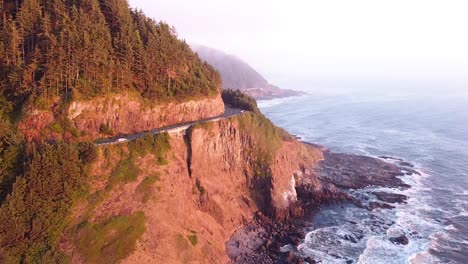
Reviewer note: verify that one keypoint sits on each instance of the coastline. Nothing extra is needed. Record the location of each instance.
(266, 240)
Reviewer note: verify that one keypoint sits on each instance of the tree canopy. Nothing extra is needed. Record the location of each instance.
(85, 48)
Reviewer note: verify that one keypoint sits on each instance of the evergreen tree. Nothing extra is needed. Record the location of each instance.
(58, 48)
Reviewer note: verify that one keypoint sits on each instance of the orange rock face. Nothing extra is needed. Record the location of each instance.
(207, 191)
(126, 115)
(121, 114)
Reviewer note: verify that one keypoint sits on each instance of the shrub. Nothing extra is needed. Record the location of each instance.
(56, 127)
(105, 129)
(193, 239)
(87, 151)
(112, 240)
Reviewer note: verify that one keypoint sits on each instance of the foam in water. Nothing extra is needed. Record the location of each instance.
(371, 235)
(428, 131)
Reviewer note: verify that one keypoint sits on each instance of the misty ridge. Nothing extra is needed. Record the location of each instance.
(238, 75)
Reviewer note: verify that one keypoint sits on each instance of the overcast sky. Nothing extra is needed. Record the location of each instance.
(327, 39)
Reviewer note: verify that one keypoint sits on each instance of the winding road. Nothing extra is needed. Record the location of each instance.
(173, 129)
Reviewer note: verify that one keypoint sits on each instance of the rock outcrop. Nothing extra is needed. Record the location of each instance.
(112, 115)
(123, 114)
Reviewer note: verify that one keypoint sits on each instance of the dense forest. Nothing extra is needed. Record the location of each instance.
(55, 51)
(85, 48)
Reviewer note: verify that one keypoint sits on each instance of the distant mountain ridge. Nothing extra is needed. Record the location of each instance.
(238, 75)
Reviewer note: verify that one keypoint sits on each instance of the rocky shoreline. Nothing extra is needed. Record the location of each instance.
(261, 240)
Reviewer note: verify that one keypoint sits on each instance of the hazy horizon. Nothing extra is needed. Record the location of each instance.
(304, 41)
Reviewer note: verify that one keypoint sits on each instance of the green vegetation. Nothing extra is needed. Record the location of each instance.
(87, 151)
(238, 99)
(63, 126)
(35, 213)
(268, 138)
(71, 49)
(126, 171)
(56, 128)
(105, 129)
(193, 239)
(112, 240)
(157, 145)
(146, 187)
(11, 155)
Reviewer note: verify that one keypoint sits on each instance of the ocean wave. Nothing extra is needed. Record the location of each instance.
(278, 101)
(437, 205)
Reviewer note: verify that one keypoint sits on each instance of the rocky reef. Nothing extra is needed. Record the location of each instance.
(262, 239)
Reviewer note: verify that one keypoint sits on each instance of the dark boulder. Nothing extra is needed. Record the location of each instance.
(400, 240)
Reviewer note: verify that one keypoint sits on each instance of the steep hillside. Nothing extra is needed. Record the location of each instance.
(193, 195)
(237, 74)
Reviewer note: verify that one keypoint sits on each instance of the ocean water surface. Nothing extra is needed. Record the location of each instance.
(429, 131)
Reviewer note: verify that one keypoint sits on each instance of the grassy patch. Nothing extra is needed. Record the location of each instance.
(146, 188)
(193, 239)
(267, 137)
(162, 161)
(158, 145)
(126, 171)
(112, 240)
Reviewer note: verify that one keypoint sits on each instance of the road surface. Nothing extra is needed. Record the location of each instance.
(228, 112)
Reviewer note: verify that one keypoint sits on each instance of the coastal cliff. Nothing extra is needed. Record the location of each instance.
(209, 184)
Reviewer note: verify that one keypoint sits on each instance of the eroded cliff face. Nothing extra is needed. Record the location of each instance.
(124, 113)
(207, 190)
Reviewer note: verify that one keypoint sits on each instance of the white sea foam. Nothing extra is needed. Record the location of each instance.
(278, 101)
(450, 228)
(423, 257)
(348, 125)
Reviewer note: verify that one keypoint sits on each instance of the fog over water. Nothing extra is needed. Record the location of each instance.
(302, 40)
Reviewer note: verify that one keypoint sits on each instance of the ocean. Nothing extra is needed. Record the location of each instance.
(427, 130)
